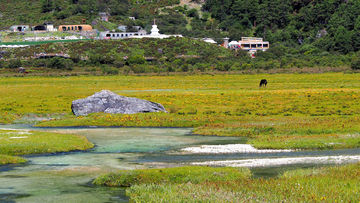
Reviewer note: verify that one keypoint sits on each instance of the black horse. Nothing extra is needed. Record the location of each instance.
(263, 82)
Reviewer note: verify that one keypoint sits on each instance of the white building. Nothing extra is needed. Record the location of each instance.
(140, 34)
(155, 34)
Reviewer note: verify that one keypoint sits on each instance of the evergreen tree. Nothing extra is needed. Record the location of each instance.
(342, 40)
(355, 35)
(47, 5)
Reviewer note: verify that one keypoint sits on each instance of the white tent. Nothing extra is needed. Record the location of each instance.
(234, 43)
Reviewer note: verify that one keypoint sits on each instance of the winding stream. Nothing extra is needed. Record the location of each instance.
(67, 177)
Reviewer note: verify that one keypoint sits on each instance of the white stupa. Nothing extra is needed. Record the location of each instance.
(155, 33)
(154, 30)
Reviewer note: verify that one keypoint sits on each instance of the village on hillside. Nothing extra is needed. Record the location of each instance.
(85, 31)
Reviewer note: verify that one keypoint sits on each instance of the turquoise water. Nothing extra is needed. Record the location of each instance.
(67, 177)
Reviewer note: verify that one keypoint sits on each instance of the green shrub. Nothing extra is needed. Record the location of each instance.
(40, 63)
(119, 63)
(355, 63)
(61, 63)
(109, 70)
(185, 67)
(137, 59)
(325, 53)
(138, 69)
(14, 63)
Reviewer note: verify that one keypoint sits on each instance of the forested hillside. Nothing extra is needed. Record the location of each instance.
(332, 25)
(319, 25)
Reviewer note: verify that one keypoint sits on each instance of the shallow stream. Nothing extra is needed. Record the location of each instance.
(67, 177)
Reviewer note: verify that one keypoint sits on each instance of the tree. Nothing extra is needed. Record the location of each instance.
(193, 13)
(342, 40)
(47, 5)
(355, 35)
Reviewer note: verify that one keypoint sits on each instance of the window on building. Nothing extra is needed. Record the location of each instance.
(266, 45)
(246, 45)
(253, 46)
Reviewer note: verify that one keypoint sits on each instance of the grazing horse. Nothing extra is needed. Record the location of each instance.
(263, 82)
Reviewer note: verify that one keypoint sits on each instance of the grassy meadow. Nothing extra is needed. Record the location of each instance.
(294, 111)
(298, 111)
(199, 184)
(15, 142)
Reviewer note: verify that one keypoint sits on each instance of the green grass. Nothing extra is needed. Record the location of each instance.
(5, 159)
(14, 143)
(297, 111)
(187, 174)
(328, 184)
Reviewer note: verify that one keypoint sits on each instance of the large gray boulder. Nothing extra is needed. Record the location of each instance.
(109, 102)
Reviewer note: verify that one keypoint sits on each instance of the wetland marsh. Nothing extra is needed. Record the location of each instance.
(315, 114)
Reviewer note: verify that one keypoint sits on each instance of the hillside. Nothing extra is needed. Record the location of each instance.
(325, 25)
(147, 47)
(330, 25)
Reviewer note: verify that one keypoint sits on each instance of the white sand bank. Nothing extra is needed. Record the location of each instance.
(282, 161)
(230, 148)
